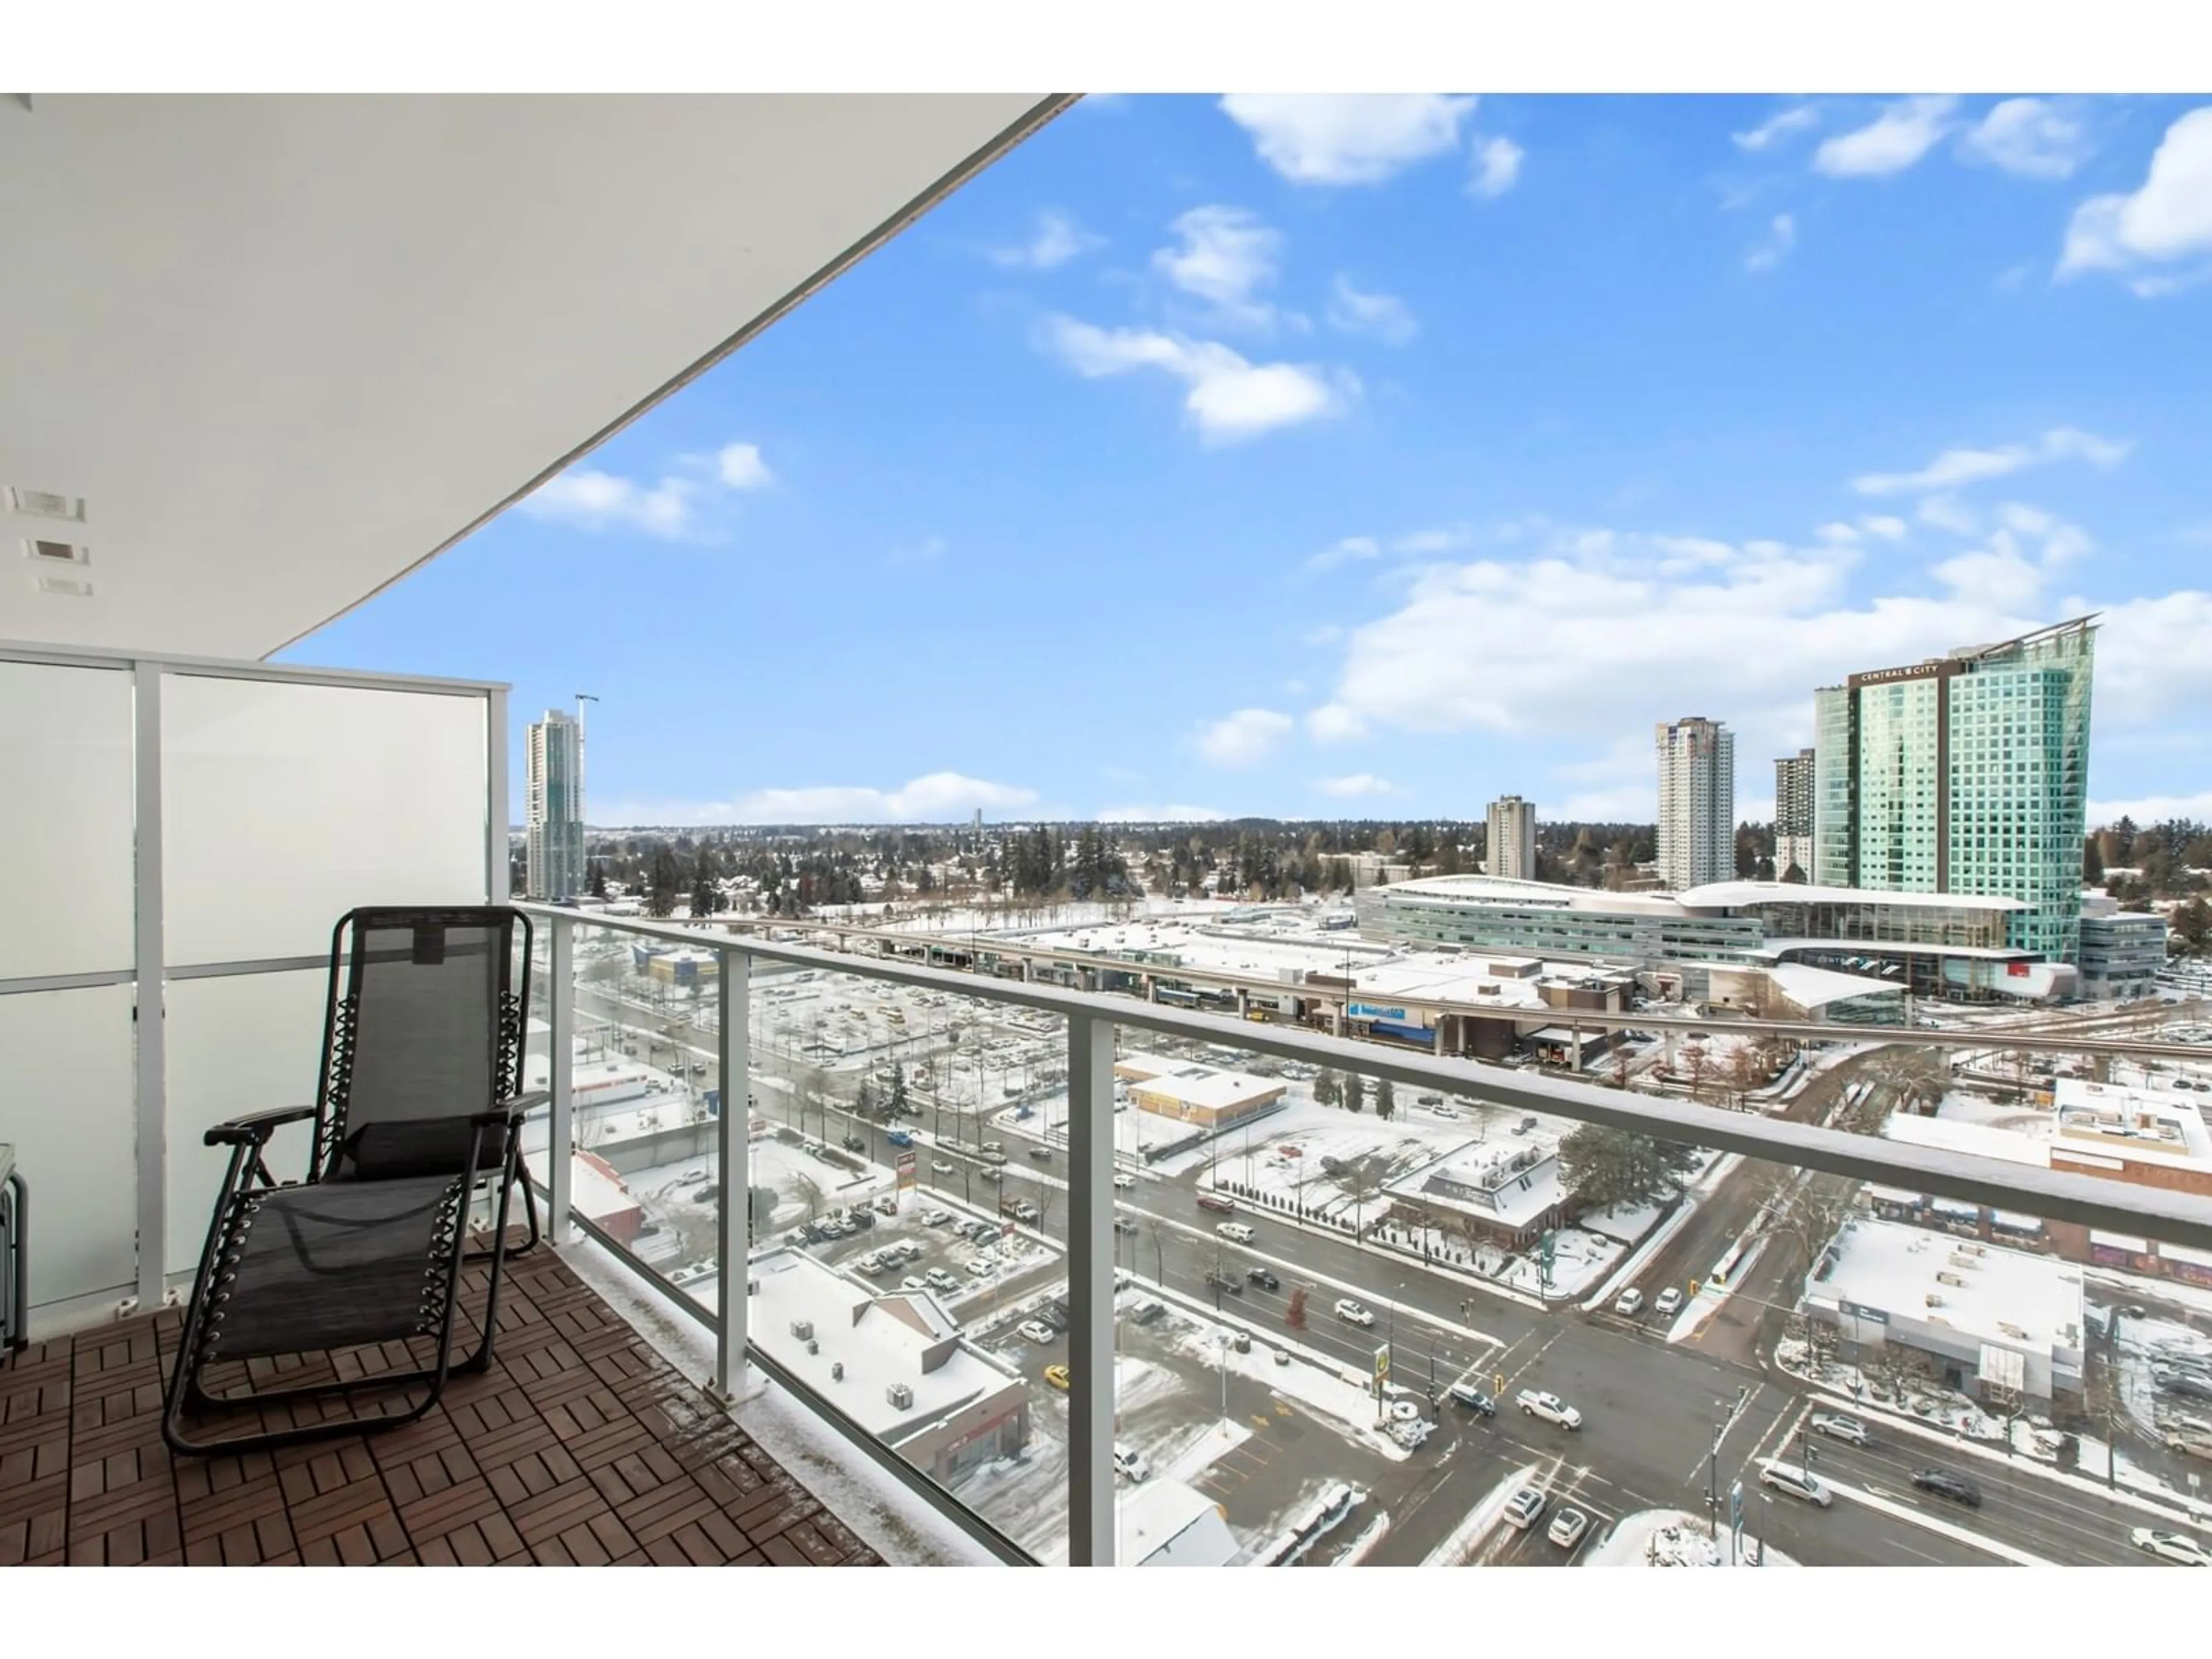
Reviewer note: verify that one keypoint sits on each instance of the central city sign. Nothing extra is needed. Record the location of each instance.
(1369, 1011)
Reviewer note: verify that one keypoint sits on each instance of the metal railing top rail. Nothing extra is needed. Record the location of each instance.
(2087, 1200)
(93, 656)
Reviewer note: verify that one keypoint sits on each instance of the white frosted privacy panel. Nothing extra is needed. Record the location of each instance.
(286, 805)
(66, 1065)
(248, 1042)
(65, 820)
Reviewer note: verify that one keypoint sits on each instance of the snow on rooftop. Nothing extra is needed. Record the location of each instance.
(1733, 895)
(852, 1327)
(1816, 988)
(1165, 1523)
(2008, 1297)
(1518, 1180)
(1981, 1139)
(2132, 1122)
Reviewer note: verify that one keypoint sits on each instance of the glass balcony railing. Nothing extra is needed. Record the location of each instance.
(1113, 1280)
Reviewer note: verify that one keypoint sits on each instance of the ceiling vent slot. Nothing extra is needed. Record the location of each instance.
(45, 504)
(40, 549)
(73, 586)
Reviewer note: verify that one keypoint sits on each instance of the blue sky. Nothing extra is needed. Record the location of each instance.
(1374, 456)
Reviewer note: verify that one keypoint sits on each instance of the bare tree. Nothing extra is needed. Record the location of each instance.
(2104, 1401)
(810, 1190)
(1915, 1077)
(1804, 1209)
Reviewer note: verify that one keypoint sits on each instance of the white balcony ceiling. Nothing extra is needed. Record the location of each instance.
(287, 348)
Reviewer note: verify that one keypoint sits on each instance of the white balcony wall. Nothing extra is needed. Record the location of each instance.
(217, 819)
(285, 804)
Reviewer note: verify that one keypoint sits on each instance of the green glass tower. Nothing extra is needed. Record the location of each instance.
(1965, 774)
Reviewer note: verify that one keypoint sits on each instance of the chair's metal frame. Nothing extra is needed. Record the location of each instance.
(248, 1175)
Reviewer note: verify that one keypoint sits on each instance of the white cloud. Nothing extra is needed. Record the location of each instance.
(1774, 248)
(1359, 783)
(1058, 239)
(1244, 738)
(1344, 551)
(1543, 618)
(1161, 815)
(1496, 167)
(1795, 120)
(1955, 468)
(1894, 141)
(1883, 524)
(1327, 633)
(1228, 397)
(739, 467)
(592, 499)
(1335, 722)
(2028, 136)
(585, 498)
(2149, 809)
(1328, 139)
(1839, 535)
(1627, 802)
(1226, 253)
(1385, 316)
(1947, 513)
(939, 798)
(2168, 218)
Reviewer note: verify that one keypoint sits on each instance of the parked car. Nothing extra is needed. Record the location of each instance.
(1034, 1330)
(1125, 1181)
(1670, 1301)
(1129, 1462)
(1265, 1279)
(1352, 1314)
(1057, 1376)
(1568, 1527)
(1793, 1479)
(937, 1279)
(1146, 1312)
(1474, 1399)
(1524, 1506)
(1944, 1484)
(935, 1217)
(983, 1266)
(1549, 1407)
(2178, 1548)
(1055, 1314)
(911, 1282)
(1630, 1302)
(1837, 1426)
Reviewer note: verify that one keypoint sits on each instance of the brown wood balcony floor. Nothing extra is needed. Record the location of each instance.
(580, 1446)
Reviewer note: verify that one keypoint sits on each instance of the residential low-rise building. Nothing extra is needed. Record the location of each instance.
(896, 1363)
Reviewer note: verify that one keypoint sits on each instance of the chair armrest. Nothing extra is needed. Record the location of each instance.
(255, 1128)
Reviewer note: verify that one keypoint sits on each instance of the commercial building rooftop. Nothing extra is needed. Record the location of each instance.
(2009, 1298)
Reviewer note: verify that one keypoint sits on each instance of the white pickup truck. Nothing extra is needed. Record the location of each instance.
(1550, 1407)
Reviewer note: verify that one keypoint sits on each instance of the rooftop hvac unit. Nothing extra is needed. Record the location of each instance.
(1960, 1259)
(837, 1371)
(900, 1396)
(813, 1347)
(1950, 1279)
(1933, 1300)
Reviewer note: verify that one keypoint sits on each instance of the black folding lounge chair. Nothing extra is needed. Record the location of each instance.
(416, 1111)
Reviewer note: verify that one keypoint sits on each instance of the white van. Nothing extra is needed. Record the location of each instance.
(1235, 1231)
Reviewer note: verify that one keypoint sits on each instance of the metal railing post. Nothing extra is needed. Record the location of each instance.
(733, 1211)
(559, 1068)
(150, 957)
(1090, 1291)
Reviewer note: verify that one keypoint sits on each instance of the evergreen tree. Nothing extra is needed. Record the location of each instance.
(1355, 1092)
(663, 883)
(596, 885)
(1385, 1098)
(705, 899)
(897, 1106)
(1328, 1088)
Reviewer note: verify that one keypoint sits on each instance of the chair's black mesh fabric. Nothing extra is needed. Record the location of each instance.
(426, 1029)
(393, 1152)
(331, 1265)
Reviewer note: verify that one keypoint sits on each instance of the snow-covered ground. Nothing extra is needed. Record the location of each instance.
(1330, 1391)
(1675, 1538)
(1709, 1299)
